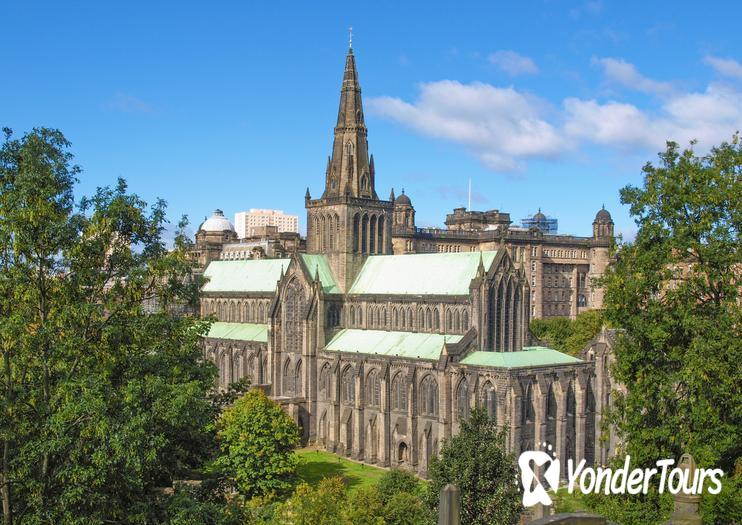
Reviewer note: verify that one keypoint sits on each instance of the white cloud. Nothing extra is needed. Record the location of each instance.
(625, 74)
(504, 127)
(726, 66)
(512, 63)
(500, 126)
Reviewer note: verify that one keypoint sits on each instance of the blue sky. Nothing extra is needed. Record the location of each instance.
(545, 104)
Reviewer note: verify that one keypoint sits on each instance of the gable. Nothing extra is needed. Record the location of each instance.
(254, 275)
(420, 274)
(317, 264)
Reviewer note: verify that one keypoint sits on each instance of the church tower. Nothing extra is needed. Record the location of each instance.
(349, 222)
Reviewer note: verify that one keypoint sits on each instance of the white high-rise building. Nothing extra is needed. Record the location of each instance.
(246, 222)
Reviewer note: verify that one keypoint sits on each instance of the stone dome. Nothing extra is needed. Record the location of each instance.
(403, 199)
(603, 216)
(216, 223)
(540, 217)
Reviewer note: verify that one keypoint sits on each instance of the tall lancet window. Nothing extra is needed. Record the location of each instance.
(293, 318)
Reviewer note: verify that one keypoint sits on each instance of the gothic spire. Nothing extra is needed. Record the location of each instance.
(349, 170)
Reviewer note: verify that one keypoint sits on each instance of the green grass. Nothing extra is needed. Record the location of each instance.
(317, 464)
(566, 502)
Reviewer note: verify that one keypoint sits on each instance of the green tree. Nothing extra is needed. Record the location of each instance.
(364, 507)
(257, 441)
(676, 290)
(567, 335)
(475, 460)
(314, 505)
(102, 400)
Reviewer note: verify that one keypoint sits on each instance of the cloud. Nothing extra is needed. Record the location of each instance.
(512, 63)
(130, 104)
(504, 127)
(625, 74)
(499, 125)
(726, 66)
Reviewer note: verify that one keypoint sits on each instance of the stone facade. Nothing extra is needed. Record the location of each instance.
(380, 357)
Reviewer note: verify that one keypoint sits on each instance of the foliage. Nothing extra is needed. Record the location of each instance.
(314, 505)
(364, 507)
(475, 461)
(192, 506)
(567, 335)
(103, 400)
(725, 507)
(675, 290)
(257, 441)
(397, 481)
(405, 508)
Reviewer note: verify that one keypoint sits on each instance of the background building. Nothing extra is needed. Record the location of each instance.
(548, 225)
(246, 222)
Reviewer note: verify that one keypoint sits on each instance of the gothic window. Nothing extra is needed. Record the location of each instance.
(457, 321)
(429, 396)
(403, 316)
(293, 317)
(356, 233)
(399, 393)
(325, 382)
(395, 318)
(364, 182)
(349, 148)
(288, 379)
(421, 319)
(528, 409)
(364, 234)
(465, 320)
(449, 321)
(352, 315)
(372, 235)
(436, 319)
(380, 236)
(489, 400)
(410, 323)
(462, 401)
(373, 389)
(348, 386)
(232, 312)
(428, 319)
(261, 313)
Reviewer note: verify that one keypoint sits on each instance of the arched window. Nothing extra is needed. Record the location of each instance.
(462, 401)
(428, 403)
(399, 392)
(395, 318)
(373, 389)
(293, 318)
(325, 383)
(457, 321)
(436, 320)
(288, 379)
(372, 228)
(465, 320)
(348, 386)
(449, 321)
(298, 380)
(528, 409)
(489, 400)
(356, 233)
(428, 319)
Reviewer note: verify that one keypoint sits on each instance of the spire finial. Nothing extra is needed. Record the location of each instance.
(350, 37)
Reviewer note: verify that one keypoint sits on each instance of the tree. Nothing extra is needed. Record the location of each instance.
(257, 441)
(314, 505)
(102, 400)
(364, 507)
(475, 460)
(567, 335)
(675, 290)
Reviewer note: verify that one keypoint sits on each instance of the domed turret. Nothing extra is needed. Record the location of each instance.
(603, 216)
(403, 199)
(603, 224)
(539, 217)
(216, 223)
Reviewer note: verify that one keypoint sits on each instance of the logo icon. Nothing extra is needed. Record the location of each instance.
(533, 491)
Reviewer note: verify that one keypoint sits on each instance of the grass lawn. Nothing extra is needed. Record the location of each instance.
(317, 464)
(566, 502)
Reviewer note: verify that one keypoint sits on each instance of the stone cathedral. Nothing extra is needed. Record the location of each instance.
(380, 356)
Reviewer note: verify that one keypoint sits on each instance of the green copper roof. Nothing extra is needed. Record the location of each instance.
(402, 344)
(420, 274)
(318, 262)
(256, 275)
(239, 331)
(530, 356)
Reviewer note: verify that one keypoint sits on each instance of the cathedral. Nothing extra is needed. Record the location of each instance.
(380, 347)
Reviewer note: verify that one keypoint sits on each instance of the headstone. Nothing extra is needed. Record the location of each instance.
(449, 506)
(686, 505)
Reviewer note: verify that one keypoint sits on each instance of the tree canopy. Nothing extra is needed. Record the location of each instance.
(103, 399)
(675, 290)
(476, 461)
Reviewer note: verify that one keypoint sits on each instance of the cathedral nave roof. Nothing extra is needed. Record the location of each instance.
(254, 275)
(239, 331)
(400, 344)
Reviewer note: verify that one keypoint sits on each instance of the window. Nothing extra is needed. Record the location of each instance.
(373, 389)
(348, 386)
(429, 396)
(488, 400)
(462, 401)
(399, 393)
